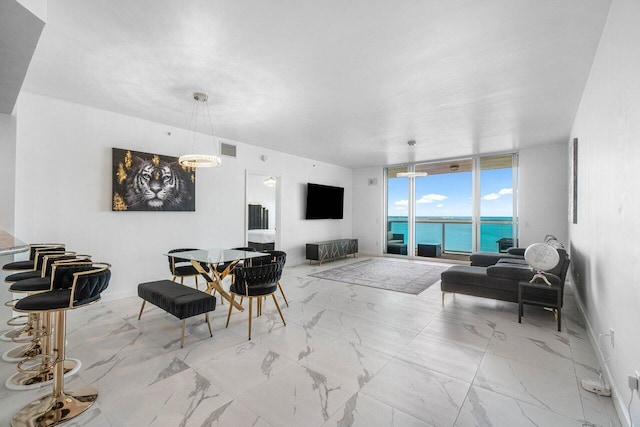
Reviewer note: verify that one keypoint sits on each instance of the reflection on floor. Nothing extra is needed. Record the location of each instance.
(349, 355)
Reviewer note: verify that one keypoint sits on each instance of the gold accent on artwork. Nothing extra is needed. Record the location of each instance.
(156, 160)
(128, 159)
(121, 174)
(118, 203)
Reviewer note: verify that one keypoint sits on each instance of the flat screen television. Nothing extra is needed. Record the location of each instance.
(324, 202)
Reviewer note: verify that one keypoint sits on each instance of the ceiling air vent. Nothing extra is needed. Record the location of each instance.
(227, 149)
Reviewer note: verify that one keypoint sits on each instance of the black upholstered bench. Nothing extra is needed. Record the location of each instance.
(179, 300)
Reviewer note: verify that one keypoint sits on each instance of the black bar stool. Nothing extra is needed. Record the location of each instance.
(80, 286)
(30, 263)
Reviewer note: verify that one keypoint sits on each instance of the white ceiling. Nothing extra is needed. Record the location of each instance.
(345, 82)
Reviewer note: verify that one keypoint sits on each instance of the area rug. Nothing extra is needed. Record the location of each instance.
(407, 277)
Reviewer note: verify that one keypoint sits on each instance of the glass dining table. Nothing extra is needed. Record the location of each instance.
(214, 258)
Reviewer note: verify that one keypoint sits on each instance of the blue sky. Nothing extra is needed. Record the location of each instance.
(450, 194)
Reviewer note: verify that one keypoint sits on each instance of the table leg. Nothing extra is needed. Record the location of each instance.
(214, 282)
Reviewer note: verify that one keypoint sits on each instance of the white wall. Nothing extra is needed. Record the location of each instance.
(543, 195)
(63, 192)
(7, 195)
(605, 244)
(368, 210)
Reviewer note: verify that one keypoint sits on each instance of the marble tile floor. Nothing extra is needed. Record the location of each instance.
(349, 355)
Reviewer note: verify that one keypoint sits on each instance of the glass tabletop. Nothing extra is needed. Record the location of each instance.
(216, 255)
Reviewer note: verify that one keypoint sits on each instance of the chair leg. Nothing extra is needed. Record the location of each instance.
(206, 316)
(141, 308)
(184, 325)
(182, 280)
(173, 278)
(282, 292)
(233, 297)
(250, 315)
(196, 282)
(278, 307)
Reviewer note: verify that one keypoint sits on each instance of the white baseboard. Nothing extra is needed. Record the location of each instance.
(618, 402)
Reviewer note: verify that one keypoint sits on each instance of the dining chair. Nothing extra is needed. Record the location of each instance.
(181, 267)
(256, 282)
(275, 256)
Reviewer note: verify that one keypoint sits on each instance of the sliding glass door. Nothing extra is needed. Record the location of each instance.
(455, 206)
(444, 207)
(397, 224)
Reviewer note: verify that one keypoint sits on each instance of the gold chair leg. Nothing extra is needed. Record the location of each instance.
(184, 325)
(196, 282)
(278, 307)
(233, 297)
(282, 292)
(206, 316)
(141, 308)
(250, 315)
(182, 280)
(173, 278)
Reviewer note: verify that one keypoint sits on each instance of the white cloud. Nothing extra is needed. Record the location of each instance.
(439, 205)
(496, 196)
(401, 203)
(430, 198)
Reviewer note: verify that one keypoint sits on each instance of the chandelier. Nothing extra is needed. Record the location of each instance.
(195, 160)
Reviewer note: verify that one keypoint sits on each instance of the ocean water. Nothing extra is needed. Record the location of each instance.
(457, 236)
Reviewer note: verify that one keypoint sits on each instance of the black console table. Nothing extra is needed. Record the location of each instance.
(331, 249)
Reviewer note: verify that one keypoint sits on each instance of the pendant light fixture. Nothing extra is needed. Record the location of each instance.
(195, 160)
(270, 182)
(411, 174)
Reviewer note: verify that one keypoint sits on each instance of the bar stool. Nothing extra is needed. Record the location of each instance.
(79, 286)
(35, 367)
(24, 331)
(29, 264)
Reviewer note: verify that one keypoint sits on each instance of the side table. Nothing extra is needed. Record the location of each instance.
(539, 294)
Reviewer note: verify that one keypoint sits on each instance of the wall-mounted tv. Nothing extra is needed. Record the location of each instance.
(324, 202)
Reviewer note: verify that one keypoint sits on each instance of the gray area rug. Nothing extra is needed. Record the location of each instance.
(408, 277)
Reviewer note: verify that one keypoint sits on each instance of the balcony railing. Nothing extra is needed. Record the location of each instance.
(455, 234)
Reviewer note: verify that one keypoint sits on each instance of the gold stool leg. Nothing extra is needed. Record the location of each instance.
(60, 406)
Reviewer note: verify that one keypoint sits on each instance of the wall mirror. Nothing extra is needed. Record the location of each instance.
(261, 210)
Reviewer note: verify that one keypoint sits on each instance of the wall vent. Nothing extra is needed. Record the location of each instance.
(227, 149)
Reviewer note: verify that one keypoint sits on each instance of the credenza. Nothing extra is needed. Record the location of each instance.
(331, 249)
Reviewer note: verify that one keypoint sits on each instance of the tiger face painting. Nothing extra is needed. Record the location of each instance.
(152, 184)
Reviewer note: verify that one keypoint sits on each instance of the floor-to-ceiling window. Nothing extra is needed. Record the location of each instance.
(461, 205)
(498, 218)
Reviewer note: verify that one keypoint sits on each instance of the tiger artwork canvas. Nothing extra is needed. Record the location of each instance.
(151, 182)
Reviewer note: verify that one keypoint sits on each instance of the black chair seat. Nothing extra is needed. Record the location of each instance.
(185, 270)
(254, 290)
(31, 285)
(57, 299)
(15, 277)
(19, 265)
